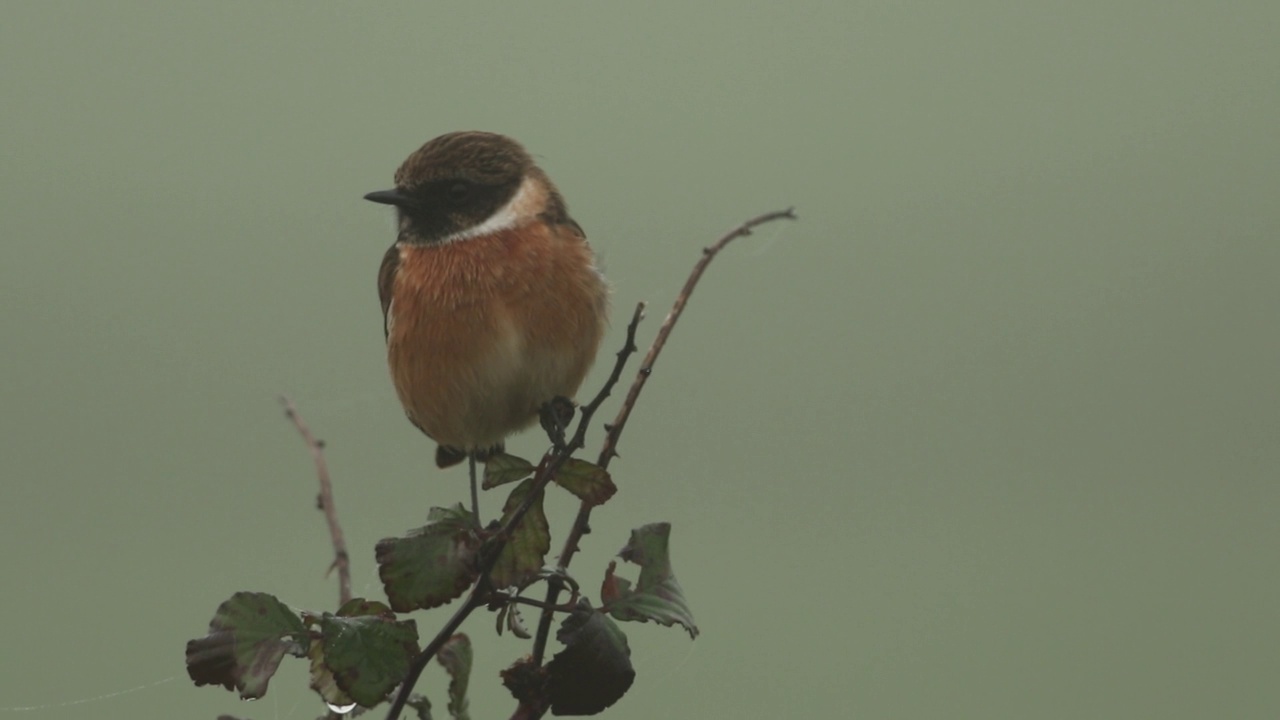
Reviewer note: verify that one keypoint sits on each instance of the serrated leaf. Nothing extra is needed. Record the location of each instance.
(657, 595)
(368, 655)
(248, 636)
(322, 680)
(503, 468)
(525, 550)
(588, 481)
(455, 656)
(433, 564)
(594, 669)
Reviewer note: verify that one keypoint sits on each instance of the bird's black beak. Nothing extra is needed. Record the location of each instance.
(388, 197)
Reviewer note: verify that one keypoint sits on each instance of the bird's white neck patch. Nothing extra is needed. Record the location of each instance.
(521, 208)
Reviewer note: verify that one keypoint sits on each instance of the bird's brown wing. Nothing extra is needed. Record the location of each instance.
(386, 278)
(577, 229)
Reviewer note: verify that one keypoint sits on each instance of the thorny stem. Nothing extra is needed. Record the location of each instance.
(420, 661)
(609, 450)
(614, 430)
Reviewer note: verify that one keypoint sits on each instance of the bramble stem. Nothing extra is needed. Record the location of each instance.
(614, 430)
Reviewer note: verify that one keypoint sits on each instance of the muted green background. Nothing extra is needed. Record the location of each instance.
(992, 432)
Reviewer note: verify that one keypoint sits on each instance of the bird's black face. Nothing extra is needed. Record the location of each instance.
(439, 209)
(453, 184)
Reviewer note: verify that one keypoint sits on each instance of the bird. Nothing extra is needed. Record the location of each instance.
(493, 302)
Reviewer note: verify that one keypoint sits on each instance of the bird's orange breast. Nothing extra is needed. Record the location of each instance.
(481, 332)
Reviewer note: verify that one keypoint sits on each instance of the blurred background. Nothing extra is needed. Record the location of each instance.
(991, 432)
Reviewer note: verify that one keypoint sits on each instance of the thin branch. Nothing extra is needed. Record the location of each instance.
(420, 661)
(341, 560)
(628, 348)
(609, 450)
(614, 430)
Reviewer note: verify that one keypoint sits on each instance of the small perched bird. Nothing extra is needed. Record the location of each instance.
(492, 302)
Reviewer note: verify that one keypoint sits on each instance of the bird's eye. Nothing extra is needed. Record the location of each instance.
(459, 191)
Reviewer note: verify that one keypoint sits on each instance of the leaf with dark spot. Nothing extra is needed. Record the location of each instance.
(589, 482)
(433, 564)
(248, 636)
(367, 650)
(322, 680)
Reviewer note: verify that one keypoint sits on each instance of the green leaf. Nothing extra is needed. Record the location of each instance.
(367, 650)
(433, 564)
(589, 482)
(248, 636)
(455, 656)
(502, 469)
(322, 680)
(594, 669)
(657, 596)
(522, 557)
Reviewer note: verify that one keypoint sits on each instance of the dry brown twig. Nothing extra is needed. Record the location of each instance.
(341, 560)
